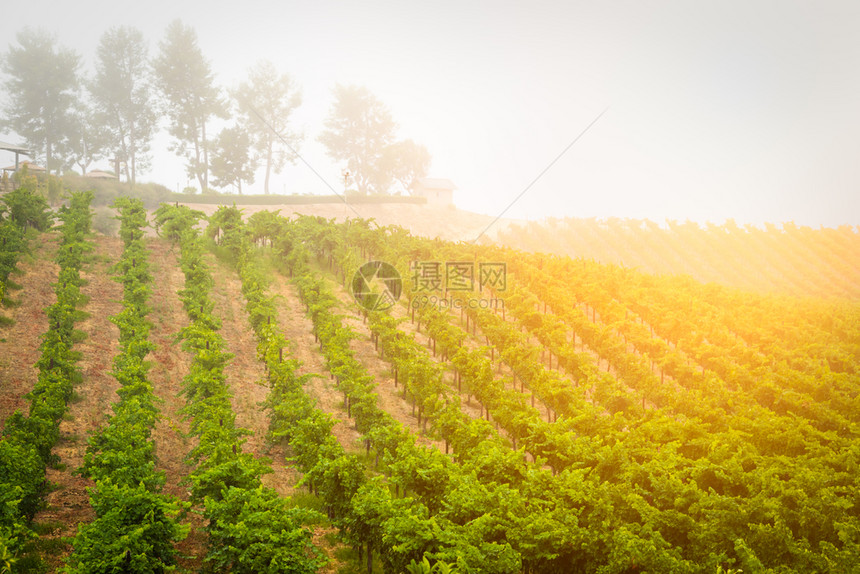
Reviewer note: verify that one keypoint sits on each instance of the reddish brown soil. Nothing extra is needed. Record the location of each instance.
(19, 342)
(298, 329)
(169, 366)
(390, 398)
(246, 375)
(68, 504)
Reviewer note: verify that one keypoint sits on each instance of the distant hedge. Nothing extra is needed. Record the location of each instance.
(290, 199)
(152, 194)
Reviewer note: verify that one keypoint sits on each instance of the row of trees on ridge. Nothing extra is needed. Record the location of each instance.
(71, 120)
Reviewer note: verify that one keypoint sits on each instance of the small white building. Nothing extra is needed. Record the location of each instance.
(437, 191)
(99, 174)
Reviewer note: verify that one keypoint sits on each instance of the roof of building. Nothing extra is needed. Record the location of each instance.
(98, 174)
(30, 167)
(434, 183)
(5, 146)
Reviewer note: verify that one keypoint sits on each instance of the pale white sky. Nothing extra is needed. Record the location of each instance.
(733, 109)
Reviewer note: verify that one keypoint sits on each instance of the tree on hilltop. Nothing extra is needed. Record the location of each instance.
(87, 138)
(361, 131)
(122, 93)
(231, 159)
(403, 162)
(266, 101)
(192, 98)
(42, 88)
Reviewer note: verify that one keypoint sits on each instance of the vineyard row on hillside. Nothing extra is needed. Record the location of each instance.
(27, 442)
(793, 432)
(135, 526)
(552, 415)
(794, 260)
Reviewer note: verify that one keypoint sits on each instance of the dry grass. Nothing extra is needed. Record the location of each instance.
(19, 342)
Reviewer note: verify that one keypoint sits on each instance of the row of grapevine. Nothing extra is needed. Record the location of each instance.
(727, 362)
(136, 524)
(499, 499)
(251, 529)
(25, 449)
(716, 475)
(401, 527)
(20, 210)
(12, 243)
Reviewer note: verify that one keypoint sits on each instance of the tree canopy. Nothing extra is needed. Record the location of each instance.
(71, 118)
(361, 132)
(231, 158)
(265, 102)
(42, 88)
(191, 96)
(122, 92)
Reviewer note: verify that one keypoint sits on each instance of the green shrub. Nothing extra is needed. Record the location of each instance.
(134, 532)
(253, 532)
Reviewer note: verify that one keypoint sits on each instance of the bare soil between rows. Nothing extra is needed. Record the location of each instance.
(19, 342)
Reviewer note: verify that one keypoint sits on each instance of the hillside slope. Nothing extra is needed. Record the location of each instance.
(790, 259)
(423, 220)
(786, 259)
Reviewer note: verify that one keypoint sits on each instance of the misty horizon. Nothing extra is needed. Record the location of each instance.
(732, 112)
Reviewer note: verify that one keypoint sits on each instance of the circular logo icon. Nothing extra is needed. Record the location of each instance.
(377, 286)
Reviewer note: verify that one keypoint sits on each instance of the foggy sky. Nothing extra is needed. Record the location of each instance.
(744, 110)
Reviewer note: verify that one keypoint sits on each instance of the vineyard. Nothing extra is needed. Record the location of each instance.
(788, 259)
(259, 393)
